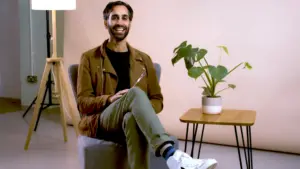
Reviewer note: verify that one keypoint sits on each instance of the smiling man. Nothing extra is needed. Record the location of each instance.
(119, 97)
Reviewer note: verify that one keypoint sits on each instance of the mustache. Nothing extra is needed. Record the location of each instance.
(120, 26)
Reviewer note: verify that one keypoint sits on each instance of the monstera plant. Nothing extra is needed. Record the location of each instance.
(198, 67)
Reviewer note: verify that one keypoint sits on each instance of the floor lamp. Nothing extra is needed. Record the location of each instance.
(49, 81)
(60, 76)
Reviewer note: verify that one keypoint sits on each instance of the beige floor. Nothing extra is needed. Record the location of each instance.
(48, 151)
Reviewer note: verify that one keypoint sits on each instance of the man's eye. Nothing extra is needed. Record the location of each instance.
(114, 17)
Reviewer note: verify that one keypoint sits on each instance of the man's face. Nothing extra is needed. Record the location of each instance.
(118, 23)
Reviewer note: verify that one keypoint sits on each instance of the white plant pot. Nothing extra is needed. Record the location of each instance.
(211, 105)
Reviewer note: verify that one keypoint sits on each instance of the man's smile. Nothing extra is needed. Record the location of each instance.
(119, 29)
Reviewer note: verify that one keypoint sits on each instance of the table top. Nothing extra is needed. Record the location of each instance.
(227, 117)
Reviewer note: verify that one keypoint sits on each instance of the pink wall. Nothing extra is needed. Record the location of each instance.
(263, 32)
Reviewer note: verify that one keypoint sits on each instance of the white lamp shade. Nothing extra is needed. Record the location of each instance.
(53, 4)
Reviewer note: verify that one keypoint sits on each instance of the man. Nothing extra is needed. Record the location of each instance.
(119, 97)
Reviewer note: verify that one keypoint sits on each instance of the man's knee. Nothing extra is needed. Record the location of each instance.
(129, 121)
(136, 92)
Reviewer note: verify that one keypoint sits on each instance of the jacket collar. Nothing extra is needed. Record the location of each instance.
(107, 66)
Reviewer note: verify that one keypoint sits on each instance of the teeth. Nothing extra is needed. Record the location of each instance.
(120, 29)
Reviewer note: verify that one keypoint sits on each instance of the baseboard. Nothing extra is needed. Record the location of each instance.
(227, 145)
(15, 100)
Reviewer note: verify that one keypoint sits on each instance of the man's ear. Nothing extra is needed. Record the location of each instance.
(105, 24)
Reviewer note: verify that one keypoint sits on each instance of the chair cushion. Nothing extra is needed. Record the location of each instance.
(101, 154)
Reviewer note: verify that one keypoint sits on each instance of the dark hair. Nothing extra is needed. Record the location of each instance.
(109, 7)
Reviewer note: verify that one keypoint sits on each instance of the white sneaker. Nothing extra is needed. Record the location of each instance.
(181, 160)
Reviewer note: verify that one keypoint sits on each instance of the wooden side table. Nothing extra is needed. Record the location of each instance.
(235, 118)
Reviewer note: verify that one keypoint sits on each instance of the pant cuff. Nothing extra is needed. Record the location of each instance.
(157, 150)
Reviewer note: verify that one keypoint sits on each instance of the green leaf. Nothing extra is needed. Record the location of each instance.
(224, 48)
(248, 66)
(218, 72)
(189, 62)
(189, 56)
(176, 59)
(206, 91)
(195, 50)
(193, 54)
(182, 52)
(233, 86)
(200, 54)
(195, 72)
(183, 44)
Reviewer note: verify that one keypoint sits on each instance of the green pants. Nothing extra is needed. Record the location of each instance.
(133, 120)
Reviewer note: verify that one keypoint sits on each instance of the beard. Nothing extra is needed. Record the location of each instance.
(118, 32)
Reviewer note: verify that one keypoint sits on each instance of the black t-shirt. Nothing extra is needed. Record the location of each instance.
(120, 62)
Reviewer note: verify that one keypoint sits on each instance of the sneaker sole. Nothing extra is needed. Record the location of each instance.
(211, 165)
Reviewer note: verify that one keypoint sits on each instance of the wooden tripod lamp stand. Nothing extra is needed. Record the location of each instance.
(55, 63)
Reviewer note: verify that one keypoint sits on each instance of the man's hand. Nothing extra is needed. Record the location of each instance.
(117, 95)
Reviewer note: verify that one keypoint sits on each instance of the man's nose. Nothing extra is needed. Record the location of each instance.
(120, 22)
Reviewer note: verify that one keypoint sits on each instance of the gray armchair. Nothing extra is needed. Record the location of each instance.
(101, 154)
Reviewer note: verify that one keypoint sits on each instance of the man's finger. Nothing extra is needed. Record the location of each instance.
(118, 97)
(123, 91)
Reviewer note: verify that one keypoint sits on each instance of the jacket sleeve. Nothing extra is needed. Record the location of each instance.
(154, 89)
(88, 102)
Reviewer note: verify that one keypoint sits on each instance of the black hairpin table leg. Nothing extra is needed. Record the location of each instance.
(243, 141)
(186, 136)
(249, 142)
(195, 129)
(247, 149)
(238, 147)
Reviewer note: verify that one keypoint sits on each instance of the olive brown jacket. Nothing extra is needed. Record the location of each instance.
(97, 81)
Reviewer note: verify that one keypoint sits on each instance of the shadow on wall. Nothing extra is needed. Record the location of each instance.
(10, 86)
